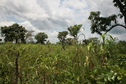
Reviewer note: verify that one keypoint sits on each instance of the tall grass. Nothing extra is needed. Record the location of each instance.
(50, 64)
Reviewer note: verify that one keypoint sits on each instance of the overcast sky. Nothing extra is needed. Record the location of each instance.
(53, 16)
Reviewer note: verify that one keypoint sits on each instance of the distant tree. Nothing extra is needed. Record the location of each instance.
(41, 37)
(59, 43)
(28, 36)
(14, 32)
(62, 37)
(48, 42)
(121, 45)
(69, 41)
(105, 24)
(92, 39)
(74, 30)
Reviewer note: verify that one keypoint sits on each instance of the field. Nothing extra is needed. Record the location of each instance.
(102, 63)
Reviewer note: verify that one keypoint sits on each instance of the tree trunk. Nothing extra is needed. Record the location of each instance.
(16, 40)
(16, 69)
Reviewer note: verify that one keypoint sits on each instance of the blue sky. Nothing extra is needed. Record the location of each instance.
(53, 16)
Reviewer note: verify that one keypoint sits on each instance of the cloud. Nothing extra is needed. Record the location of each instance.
(28, 9)
(76, 4)
(54, 16)
(52, 36)
(118, 30)
(5, 22)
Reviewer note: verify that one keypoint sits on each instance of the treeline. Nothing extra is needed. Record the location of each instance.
(19, 34)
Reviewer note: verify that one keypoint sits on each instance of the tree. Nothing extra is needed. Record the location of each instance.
(28, 36)
(62, 37)
(69, 41)
(74, 30)
(93, 39)
(105, 24)
(121, 4)
(14, 32)
(41, 37)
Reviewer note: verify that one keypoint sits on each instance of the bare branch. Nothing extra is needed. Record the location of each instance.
(115, 26)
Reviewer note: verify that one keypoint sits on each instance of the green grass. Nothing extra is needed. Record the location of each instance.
(50, 64)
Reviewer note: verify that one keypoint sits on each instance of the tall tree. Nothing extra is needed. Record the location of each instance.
(62, 37)
(41, 37)
(14, 32)
(121, 4)
(74, 30)
(105, 24)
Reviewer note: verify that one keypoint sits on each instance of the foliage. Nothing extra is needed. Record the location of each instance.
(28, 36)
(41, 37)
(105, 24)
(112, 63)
(122, 49)
(102, 63)
(69, 41)
(62, 37)
(99, 24)
(121, 4)
(92, 39)
(74, 30)
(14, 32)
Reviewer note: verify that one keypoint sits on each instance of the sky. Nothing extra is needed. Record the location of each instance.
(53, 16)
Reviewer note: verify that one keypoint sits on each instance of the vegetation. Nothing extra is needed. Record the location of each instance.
(29, 35)
(62, 37)
(41, 37)
(102, 63)
(99, 61)
(121, 4)
(14, 32)
(74, 30)
(105, 24)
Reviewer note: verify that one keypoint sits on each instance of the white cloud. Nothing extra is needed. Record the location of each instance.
(5, 22)
(52, 36)
(53, 16)
(28, 9)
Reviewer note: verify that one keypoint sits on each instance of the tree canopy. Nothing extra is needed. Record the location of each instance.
(105, 24)
(14, 32)
(62, 35)
(74, 30)
(121, 4)
(41, 37)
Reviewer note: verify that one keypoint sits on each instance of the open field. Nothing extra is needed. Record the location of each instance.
(50, 64)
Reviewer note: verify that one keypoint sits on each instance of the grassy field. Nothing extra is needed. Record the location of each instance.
(50, 64)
